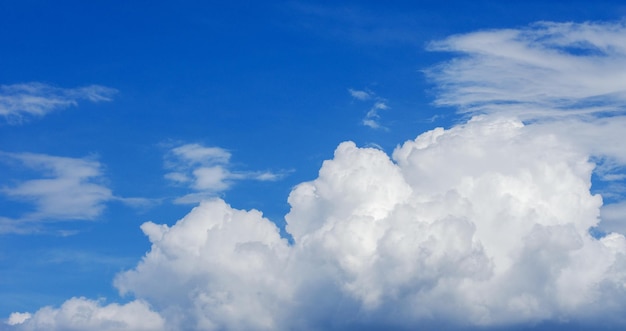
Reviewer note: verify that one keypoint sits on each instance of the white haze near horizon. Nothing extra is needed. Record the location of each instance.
(479, 225)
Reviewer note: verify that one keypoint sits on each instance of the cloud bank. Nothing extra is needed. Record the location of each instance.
(485, 224)
(21, 101)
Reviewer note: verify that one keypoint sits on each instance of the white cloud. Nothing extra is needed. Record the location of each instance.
(203, 169)
(360, 95)
(448, 231)
(68, 189)
(223, 267)
(19, 101)
(207, 171)
(546, 70)
(136, 202)
(198, 154)
(72, 188)
(18, 318)
(267, 176)
(211, 178)
(88, 315)
(372, 118)
(565, 78)
(485, 224)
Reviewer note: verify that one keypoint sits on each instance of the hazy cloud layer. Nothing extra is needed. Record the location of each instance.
(21, 101)
(479, 225)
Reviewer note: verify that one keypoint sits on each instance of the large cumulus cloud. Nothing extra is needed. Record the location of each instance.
(484, 224)
(216, 268)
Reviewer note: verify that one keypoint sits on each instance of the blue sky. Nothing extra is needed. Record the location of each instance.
(115, 114)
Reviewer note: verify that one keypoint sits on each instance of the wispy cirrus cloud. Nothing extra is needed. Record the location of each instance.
(372, 117)
(21, 101)
(207, 171)
(545, 70)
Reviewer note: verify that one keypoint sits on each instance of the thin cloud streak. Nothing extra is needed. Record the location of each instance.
(18, 102)
(546, 70)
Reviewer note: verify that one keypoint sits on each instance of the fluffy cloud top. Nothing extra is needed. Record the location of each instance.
(224, 269)
(485, 224)
(19, 101)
